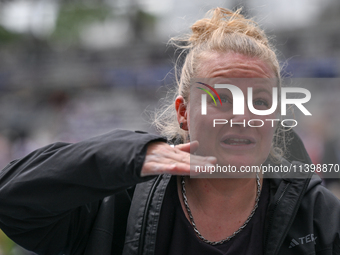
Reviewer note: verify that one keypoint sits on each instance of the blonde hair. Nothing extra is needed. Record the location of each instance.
(221, 31)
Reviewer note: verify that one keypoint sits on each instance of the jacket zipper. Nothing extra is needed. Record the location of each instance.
(272, 216)
(143, 227)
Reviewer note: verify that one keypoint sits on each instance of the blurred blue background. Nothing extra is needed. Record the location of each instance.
(73, 69)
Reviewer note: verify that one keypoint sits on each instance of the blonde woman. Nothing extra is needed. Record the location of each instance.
(130, 192)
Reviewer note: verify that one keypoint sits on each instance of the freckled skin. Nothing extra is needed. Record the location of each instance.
(206, 189)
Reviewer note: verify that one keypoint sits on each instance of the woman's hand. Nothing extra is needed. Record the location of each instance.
(162, 158)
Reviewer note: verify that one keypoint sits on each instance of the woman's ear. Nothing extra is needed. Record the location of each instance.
(182, 113)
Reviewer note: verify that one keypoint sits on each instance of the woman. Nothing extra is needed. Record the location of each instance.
(84, 198)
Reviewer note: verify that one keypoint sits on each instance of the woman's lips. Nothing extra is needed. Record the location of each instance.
(237, 142)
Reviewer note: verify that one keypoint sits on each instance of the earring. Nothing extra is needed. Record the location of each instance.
(181, 125)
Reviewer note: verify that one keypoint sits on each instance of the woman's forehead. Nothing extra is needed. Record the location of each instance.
(241, 82)
(232, 65)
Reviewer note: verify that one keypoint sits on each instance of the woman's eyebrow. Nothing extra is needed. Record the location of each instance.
(259, 90)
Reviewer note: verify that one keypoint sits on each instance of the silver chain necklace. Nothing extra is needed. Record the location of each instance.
(185, 200)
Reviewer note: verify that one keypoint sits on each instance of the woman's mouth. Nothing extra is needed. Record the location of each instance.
(237, 141)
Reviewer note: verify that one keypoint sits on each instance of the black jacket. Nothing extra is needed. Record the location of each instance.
(82, 198)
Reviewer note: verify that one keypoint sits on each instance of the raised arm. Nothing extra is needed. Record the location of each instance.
(50, 198)
(54, 192)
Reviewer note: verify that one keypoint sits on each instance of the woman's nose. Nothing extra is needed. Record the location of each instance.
(242, 119)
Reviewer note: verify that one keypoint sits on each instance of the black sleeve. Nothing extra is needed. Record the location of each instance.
(54, 192)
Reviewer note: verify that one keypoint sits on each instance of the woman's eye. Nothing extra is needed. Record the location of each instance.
(224, 100)
(260, 103)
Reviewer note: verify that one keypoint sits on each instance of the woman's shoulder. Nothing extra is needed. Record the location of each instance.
(321, 197)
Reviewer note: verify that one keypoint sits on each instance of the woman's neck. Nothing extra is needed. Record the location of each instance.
(218, 197)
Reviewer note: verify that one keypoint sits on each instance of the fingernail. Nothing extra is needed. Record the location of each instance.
(212, 159)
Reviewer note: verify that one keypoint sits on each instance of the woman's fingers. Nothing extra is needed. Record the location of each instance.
(162, 158)
(154, 168)
(188, 147)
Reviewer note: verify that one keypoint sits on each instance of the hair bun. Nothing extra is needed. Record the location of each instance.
(222, 22)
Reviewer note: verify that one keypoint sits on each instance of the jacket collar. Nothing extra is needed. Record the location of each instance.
(143, 217)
